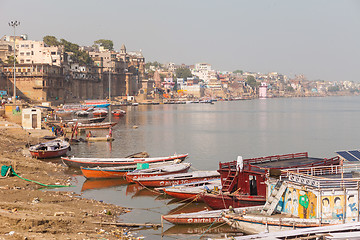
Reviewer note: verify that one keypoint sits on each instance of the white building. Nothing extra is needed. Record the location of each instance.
(203, 71)
(29, 51)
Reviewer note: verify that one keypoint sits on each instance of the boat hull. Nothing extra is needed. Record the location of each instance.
(223, 201)
(132, 178)
(50, 149)
(161, 183)
(254, 224)
(114, 163)
(191, 196)
(49, 154)
(96, 125)
(99, 173)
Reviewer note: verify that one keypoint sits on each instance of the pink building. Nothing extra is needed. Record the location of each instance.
(263, 90)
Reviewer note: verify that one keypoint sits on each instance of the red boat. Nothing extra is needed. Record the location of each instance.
(176, 179)
(51, 149)
(100, 113)
(158, 171)
(243, 181)
(118, 113)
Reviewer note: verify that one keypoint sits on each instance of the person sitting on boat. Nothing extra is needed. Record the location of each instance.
(89, 134)
(110, 132)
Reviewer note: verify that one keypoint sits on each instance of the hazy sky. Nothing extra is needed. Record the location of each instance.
(317, 38)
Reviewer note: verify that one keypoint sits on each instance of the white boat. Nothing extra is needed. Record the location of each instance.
(204, 217)
(159, 171)
(113, 162)
(174, 179)
(193, 193)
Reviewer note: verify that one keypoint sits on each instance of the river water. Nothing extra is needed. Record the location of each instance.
(211, 133)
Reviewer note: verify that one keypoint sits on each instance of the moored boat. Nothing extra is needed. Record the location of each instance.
(100, 113)
(120, 172)
(118, 112)
(158, 171)
(174, 179)
(51, 149)
(82, 113)
(243, 180)
(193, 193)
(113, 162)
(203, 217)
(104, 125)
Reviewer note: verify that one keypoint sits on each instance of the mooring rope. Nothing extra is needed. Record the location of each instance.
(29, 180)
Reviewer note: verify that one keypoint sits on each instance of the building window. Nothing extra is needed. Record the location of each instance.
(27, 60)
(22, 54)
(53, 53)
(22, 61)
(28, 54)
(32, 45)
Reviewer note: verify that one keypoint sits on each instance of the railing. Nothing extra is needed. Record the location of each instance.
(276, 158)
(232, 164)
(315, 176)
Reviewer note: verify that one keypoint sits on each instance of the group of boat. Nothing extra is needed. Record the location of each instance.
(265, 194)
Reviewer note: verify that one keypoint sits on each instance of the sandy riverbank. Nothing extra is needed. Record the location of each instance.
(29, 213)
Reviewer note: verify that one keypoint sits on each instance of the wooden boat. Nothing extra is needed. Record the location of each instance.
(99, 139)
(202, 217)
(63, 113)
(120, 172)
(193, 193)
(85, 120)
(118, 113)
(113, 162)
(340, 231)
(96, 125)
(158, 171)
(252, 222)
(243, 180)
(82, 113)
(100, 113)
(174, 179)
(97, 103)
(51, 149)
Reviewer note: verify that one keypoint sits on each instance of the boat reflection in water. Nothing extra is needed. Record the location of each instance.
(216, 231)
(144, 192)
(133, 189)
(102, 183)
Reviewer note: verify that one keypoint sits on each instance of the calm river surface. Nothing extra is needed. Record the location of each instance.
(214, 133)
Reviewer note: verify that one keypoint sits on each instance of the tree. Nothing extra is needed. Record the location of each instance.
(250, 80)
(183, 73)
(79, 56)
(333, 88)
(238, 71)
(107, 44)
(290, 89)
(51, 41)
(10, 60)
